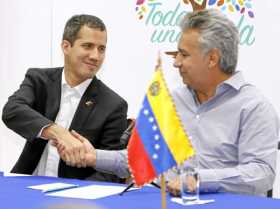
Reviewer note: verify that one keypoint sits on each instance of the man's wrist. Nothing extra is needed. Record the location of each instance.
(93, 158)
(52, 132)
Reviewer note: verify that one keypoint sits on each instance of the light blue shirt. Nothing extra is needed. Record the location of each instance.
(235, 134)
(113, 162)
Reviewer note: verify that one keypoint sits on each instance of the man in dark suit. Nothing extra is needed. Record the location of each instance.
(52, 102)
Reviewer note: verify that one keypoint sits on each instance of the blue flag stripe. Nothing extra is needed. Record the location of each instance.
(148, 129)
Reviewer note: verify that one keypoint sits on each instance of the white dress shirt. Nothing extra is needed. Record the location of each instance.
(70, 98)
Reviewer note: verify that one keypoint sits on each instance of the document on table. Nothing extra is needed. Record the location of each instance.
(180, 201)
(89, 192)
(14, 174)
(53, 187)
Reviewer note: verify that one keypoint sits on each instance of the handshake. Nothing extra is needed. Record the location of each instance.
(73, 148)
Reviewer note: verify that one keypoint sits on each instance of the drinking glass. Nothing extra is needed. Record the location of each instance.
(190, 181)
(189, 173)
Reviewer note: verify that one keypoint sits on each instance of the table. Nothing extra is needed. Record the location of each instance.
(14, 194)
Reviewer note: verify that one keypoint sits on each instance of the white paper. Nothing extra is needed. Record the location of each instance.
(14, 174)
(89, 192)
(194, 202)
(52, 187)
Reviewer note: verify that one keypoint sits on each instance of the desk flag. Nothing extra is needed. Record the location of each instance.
(158, 141)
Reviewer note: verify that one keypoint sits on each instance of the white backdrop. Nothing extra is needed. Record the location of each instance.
(32, 30)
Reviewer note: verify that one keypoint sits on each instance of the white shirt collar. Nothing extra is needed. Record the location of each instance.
(81, 88)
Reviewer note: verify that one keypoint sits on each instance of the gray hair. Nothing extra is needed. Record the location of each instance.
(75, 23)
(216, 31)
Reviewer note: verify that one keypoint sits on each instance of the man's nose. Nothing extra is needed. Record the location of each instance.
(94, 54)
(177, 62)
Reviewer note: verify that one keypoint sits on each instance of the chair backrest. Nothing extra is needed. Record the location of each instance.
(277, 179)
(124, 139)
(269, 193)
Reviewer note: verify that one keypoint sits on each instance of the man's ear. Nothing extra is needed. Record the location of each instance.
(65, 46)
(214, 57)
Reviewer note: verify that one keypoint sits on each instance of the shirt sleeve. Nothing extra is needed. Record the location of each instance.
(113, 162)
(40, 133)
(257, 154)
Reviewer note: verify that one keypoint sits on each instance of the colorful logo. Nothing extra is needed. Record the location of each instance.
(241, 6)
(158, 16)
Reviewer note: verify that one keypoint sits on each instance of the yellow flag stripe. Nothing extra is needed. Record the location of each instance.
(168, 120)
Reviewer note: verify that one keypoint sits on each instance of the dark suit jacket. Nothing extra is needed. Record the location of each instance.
(36, 105)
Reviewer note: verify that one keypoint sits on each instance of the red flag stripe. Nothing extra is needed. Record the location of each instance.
(141, 167)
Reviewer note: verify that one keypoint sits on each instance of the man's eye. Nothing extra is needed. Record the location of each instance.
(102, 49)
(86, 46)
(184, 54)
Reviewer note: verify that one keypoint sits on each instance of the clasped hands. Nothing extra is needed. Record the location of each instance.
(73, 148)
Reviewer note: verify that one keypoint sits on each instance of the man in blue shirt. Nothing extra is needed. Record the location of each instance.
(234, 129)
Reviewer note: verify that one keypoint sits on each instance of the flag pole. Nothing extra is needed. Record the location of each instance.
(158, 65)
(163, 185)
(163, 192)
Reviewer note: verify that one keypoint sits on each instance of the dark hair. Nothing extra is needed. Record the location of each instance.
(75, 23)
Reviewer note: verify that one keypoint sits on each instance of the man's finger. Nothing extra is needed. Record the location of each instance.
(191, 182)
(77, 136)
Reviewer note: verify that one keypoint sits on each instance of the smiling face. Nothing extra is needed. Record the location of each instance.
(85, 56)
(192, 63)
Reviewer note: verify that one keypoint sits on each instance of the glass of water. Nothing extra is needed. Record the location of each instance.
(189, 181)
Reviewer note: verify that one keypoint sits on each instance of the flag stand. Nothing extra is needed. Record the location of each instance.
(132, 184)
(163, 192)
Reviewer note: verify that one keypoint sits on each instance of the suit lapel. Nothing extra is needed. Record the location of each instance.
(86, 105)
(54, 93)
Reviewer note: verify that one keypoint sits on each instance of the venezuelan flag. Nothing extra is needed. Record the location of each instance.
(158, 141)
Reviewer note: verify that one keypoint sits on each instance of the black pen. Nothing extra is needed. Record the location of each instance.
(59, 188)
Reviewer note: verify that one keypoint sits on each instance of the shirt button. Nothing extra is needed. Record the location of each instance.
(197, 116)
